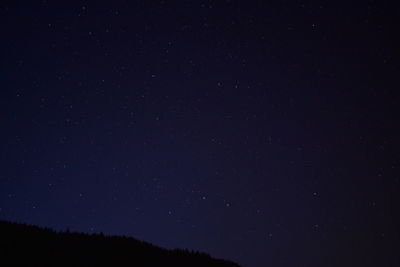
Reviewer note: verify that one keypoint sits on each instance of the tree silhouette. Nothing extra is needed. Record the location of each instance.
(22, 244)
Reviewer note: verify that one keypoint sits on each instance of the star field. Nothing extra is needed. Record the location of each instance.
(264, 133)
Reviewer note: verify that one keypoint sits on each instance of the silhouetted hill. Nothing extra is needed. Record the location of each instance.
(35, 246)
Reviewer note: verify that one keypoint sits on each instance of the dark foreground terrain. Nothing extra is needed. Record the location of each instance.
(31, 245)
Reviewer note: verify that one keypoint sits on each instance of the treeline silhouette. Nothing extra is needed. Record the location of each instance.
(35, 246)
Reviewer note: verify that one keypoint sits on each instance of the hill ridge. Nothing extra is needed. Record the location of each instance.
(34, 245)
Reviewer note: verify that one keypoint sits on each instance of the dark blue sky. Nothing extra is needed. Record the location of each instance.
(264, 133)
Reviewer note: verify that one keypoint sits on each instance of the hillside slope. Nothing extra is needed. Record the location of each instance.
(31, 245)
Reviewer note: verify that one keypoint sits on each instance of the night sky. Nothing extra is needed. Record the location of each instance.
(264, 133)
